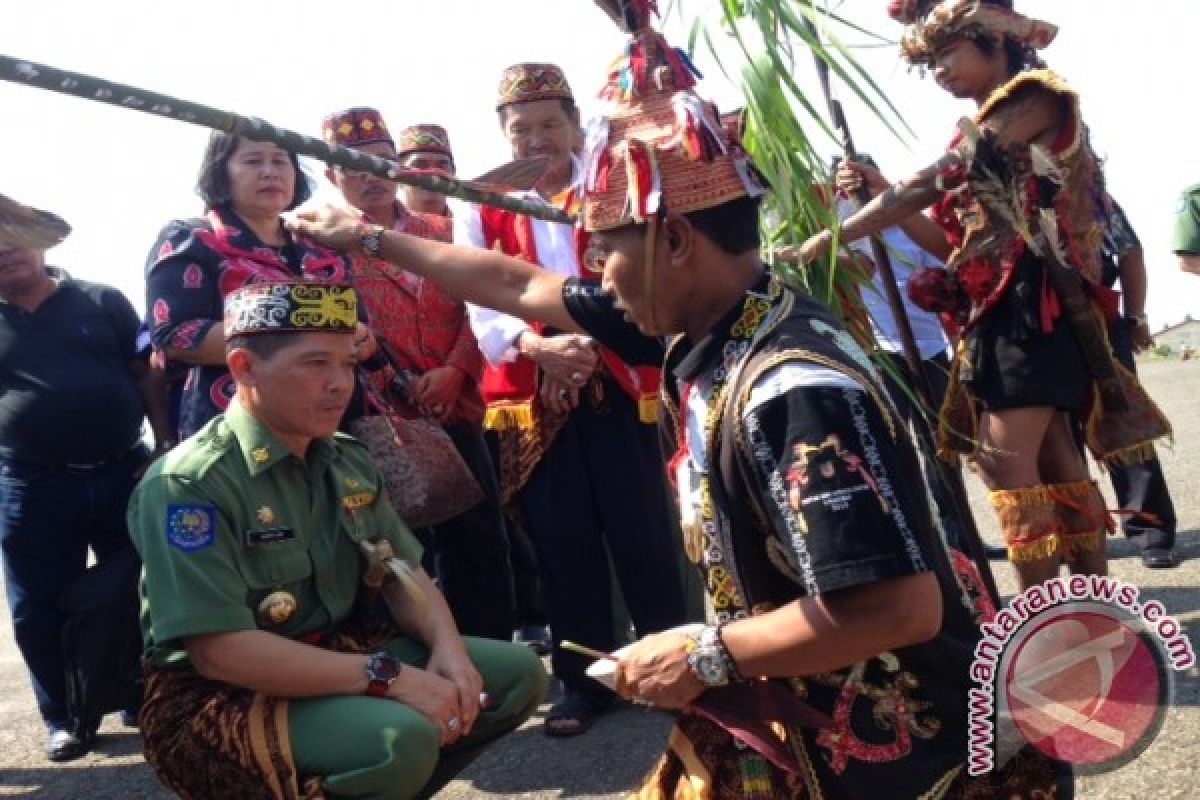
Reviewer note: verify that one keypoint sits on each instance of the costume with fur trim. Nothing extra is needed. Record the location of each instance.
(1010, 198)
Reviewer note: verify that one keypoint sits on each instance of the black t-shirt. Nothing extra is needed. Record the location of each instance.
(592, 308)
(67, 395)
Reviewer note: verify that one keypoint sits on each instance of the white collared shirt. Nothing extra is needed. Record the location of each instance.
(555, 242)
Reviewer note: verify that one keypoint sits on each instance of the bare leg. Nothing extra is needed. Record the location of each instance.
(1009, 464)
(1061, 462)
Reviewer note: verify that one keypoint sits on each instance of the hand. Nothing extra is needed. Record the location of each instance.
(365, 344)
(437, 391)
(332, 227)
(433, 696)
(453, 664)
(816, 246)
(1143, 340)
(568, 358)
(655, 671)
(558, 397)
(853, 175)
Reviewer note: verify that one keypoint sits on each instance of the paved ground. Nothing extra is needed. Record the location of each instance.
(622, 746)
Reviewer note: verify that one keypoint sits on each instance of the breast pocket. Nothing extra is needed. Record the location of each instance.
(273, 566)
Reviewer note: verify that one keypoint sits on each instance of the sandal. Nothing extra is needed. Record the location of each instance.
(572, 715)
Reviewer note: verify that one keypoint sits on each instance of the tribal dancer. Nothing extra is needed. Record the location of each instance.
(1020, 198)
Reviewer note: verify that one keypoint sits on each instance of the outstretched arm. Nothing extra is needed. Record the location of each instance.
(891, 207)
(925, 233)
(484, 277)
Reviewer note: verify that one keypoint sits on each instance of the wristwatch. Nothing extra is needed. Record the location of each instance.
(382, 671)
(370, 240)
(708, 659)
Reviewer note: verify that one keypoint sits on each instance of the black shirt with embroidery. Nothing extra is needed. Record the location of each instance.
(840, 489)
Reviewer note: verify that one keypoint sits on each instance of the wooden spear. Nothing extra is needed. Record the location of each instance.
(88, 87)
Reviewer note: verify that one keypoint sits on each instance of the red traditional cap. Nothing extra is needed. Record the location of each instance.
(356, 126)
(526, 83)
(424, 138)
(659, 146)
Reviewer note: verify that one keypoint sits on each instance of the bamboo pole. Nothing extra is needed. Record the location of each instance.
(88, 87)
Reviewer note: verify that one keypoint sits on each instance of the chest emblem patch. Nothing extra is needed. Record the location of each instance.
(830, 475)
(265, 516)
(261, 455)
(276, 609)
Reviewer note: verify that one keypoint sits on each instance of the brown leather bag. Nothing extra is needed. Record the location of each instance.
(424, 475)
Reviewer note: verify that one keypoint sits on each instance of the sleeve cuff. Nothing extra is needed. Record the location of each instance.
(861, 573)
(178, 628)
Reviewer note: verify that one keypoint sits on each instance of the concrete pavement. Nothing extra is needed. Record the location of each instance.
(622, 746)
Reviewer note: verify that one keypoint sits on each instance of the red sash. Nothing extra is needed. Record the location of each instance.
(509, 389)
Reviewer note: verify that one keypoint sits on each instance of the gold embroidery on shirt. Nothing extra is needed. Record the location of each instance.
(360, 500)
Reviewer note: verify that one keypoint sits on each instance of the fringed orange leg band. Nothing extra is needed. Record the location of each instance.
(1029, 520)
(1085, 521)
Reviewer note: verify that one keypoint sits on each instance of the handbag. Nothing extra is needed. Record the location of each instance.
(424, 475)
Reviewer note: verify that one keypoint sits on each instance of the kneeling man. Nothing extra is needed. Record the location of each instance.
(294, 646)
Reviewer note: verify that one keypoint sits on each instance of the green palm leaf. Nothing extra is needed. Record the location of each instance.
(769, 43)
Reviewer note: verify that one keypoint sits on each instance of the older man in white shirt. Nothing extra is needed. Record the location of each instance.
(576, 426)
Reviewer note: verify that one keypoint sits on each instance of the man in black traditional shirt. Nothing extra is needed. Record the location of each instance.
(73, 393)
(799, 493)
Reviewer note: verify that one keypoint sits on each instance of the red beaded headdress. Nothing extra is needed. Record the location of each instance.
(658, 146)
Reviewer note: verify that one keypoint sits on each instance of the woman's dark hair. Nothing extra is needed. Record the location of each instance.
(732, 226)
(213, 182)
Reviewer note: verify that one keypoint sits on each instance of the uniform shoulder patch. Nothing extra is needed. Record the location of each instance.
(191, 528)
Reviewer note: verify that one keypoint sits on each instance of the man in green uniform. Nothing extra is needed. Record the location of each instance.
(1186, 241)
(291, 649)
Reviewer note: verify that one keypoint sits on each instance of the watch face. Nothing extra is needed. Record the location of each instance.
(710, 668)
(383, 668)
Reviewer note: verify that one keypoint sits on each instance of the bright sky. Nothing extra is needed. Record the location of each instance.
(119, 176)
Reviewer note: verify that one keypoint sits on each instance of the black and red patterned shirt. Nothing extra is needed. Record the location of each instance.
(192, 267)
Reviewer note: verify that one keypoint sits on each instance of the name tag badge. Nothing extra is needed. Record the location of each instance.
(360, 500)
(267, 536)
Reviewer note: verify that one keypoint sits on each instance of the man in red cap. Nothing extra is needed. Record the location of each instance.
(427, 332)
(426, 147)
(575, 423)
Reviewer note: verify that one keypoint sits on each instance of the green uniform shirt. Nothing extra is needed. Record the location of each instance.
(231, 516)
(1187, 222)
